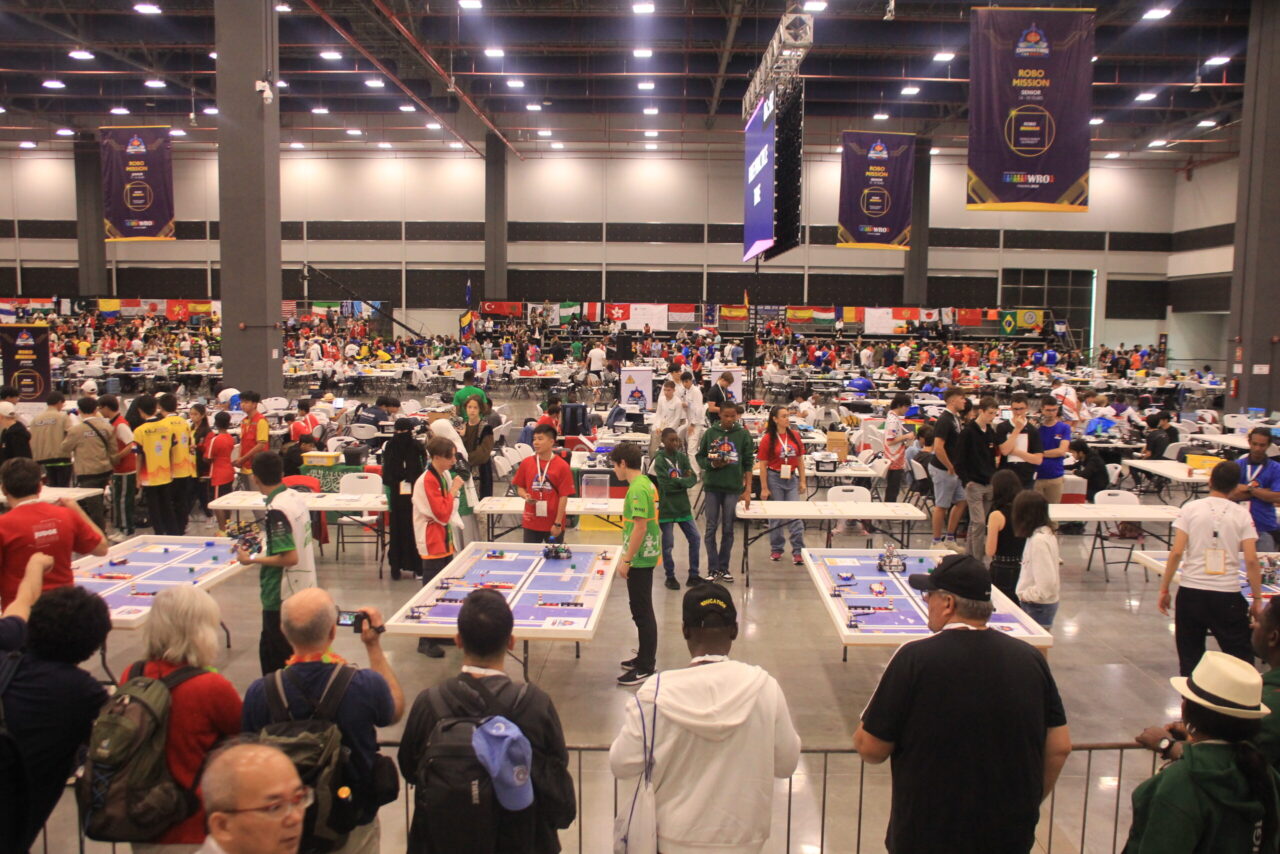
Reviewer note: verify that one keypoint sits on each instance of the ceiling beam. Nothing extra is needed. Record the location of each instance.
(735, 18)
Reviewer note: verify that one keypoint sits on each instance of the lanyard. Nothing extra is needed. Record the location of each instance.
(708, 659)
(1251, 472)
(542, 474)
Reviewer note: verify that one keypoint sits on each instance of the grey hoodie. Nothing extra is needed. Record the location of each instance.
(723, 734)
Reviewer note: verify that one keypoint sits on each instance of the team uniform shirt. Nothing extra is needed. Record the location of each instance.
(779, 451)
(1050, 438)
(640, 507)
(287, 527)
(433, 507)
(154, 441)
(254, 430)
(302, 426)
(1213, 525)
(546, 482)
(1267, 476)
(218, 448)
(182, 461)
(894, 428)
(38, 526)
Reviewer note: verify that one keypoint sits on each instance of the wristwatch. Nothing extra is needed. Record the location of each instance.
(1163, 747)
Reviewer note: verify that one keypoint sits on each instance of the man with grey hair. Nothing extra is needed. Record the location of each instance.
(370, 699)
(254, 800)
(972, 720)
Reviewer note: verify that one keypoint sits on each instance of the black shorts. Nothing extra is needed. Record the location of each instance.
(224, 489)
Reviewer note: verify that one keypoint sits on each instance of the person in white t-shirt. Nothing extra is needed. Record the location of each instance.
(897, 436)
(668, 412)
(904, 355)
(1210, 537)
(595, 361)
(867, 357)
(695, 417)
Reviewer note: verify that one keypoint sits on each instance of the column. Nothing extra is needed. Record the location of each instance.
(1252, 324)
(495, 218)
(916, 281)
(249, 195)
(90, 232)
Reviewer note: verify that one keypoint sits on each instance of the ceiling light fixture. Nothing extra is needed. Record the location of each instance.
(282, 84)
(533, 108)
(320, 111)
(53, 84)
(1155, 14)
(643, 8)
(943, 56)
(375, 83)
(645, 85)
(642, 53)
(296, 145)
(154, 83)
(650, 111)
(1206, 123)
(65, 132)
(1145, 96)
(384, 145)
(455, 145)
(651, 133)
(515, 83)
(354, 132)
(544, 133)
(1157, 143)
(283, 8)
(330, 54)
(119, 111)
(146, 8)
(470, 4)
(935, 151)
(213, 54)
(26, 144)
(1217, 60)
(1096, 120)
(651, 146)
(494, 52)
(80, 53)
(557, 145)
(1094, 59)
(880, 116)
(1111, 155)
(210, 111)
(177, 132)
(815, 5)
(408, 108)
(911, 90)
(433, 126)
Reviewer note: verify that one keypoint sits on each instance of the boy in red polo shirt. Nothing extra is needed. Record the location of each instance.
(545, 483)
(32, 525)
(255, 436)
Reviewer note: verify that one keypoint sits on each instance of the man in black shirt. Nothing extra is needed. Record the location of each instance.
(1156, 443)
(1019, 442)
(972, 720)
(719, 393)
(976, 463)
(948, 491)
(15, 438)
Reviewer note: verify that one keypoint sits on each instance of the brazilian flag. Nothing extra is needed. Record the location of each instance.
(1008, 322)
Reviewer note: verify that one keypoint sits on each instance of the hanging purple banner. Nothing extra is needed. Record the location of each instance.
(137, 183)
(1030, 99)
(758, 192)
(876, 171)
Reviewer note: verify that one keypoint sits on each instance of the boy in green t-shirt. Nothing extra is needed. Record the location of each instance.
(674, 477)
(641, 547)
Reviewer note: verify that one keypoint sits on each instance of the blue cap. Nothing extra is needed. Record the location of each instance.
(505, 753)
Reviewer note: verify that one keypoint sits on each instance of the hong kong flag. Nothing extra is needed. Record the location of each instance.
(618, 312)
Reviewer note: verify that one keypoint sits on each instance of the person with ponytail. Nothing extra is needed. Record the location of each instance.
(781, 456)
(1221, 796)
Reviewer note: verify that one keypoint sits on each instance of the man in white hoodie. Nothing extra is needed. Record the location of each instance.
(722, 733)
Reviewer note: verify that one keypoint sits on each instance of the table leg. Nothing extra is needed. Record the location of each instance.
(525, 663)
(227, 632)
(102, 654)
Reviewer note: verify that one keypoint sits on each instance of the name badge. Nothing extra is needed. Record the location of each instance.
(785, 472)
(1215, 561)
(540, 508)
(406, 488)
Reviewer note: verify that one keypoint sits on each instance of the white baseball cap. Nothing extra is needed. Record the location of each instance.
(8, 409)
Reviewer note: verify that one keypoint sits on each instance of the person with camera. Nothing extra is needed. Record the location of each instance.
(370, 699)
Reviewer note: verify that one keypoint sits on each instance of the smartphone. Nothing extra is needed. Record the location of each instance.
(339, 402)
(355, 619)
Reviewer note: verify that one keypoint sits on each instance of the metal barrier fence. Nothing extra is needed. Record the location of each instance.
(833, 803)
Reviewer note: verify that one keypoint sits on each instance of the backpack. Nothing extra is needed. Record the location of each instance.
(126, 793)
(15, 788)
(314, 744)
(455, 807)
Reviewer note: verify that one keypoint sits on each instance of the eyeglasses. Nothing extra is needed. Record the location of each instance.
(300, 800)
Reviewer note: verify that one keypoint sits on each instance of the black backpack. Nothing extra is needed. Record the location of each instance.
(15, 786)
(314, 744)
(455, 809)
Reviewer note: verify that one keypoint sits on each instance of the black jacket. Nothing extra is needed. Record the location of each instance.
(1094, 471)
(403, 459)
(554, 805)
(15, 441)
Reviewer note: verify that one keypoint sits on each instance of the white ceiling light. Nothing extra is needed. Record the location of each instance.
(533, 108)
(65, 132)
(544, 133)
(651, 146)
(1094, 59)
(645, 85)
(643, 8)
(880, 116)
(330, 54)
(935, 151)
(911, 90)
(26, 144)
(651, 133)
(433, 126)
(1217, 60)
(210, 111)
(1157, 143)
(815, 5)
(1096, 120)
(354, 132)
(119, 111)
(296, 145)
(515, 83)
(943, 56)
(320, 111)
(1206, 123)
(213, 54)
(1155, 14)
(469, 4)
(53, 84)
(177, 132)
(650, 111)
(146, 8)
(375, 83)
(384, 145)
(2, 110)
(154, 83)
(553, 145)
(1145, 96)
(282, 84)
(642, 53)
(283, 7)
(494, 52)
(408, 108)
(80, 53)
(455, 145)
(1111, 155)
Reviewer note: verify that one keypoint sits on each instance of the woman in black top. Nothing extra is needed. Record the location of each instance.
(477, 438)
(200, 429)
(403, 462)
(1004, 548)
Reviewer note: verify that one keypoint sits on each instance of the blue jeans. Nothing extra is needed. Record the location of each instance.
(1266, 541)
(722, 513)
(691, 536)
(785, 490)
(1042, 614)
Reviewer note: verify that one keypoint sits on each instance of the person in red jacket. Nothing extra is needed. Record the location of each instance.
(435, 509)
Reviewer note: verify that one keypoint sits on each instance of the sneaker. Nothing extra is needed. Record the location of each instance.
(629, 664)
(430, 648)
(634, 676)
(726, 577)
(775, 556)
(952, 544)
(797, 559)
(694, 581)
(671, 583)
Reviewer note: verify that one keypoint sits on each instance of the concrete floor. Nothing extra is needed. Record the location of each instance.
(1112, 656)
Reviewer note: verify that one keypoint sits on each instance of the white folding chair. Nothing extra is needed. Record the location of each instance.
(1210, 429)
(1112, 497)
(362, 483)
(362, 432)
(849, 493)
(524, 449)
(922, 495)
(411, 405)
(1115, 471)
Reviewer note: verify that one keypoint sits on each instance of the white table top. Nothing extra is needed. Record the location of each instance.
(1239, 441)
(498, 505)
(57, 493)
(876, 510)
(334, 502)
(1113, 513)
(1168, 469)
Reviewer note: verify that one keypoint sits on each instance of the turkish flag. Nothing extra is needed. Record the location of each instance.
(509, 309)
(618, 312)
